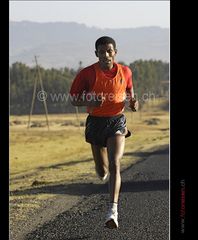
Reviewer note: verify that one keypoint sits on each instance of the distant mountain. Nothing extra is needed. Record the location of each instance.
(61, 44)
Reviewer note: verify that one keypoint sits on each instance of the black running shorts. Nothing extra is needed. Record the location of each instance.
(99, 129)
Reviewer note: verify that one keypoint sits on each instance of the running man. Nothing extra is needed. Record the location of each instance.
(102, 87)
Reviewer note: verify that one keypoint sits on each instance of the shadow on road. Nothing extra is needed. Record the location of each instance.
(86, 189)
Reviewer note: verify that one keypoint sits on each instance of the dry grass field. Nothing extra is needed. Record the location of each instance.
(60, 155)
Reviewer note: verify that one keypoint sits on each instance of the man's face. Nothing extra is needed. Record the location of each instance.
(106, 54)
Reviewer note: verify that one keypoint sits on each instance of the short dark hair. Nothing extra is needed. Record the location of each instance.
(105, 40)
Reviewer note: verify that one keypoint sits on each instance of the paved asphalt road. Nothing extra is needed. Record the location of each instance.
(143, 207)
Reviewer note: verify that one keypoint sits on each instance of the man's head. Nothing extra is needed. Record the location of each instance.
(105, 40)
(105, 51)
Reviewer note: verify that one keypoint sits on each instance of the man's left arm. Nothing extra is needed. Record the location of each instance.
(133, 103)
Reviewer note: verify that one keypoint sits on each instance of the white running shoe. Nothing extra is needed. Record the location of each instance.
(103, 178)
(112, 219)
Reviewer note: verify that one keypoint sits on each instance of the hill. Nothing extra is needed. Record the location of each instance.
(61, 44)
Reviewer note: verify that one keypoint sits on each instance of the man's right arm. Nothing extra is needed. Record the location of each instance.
(79, 88)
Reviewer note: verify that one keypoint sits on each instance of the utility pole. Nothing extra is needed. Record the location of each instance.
(42, 96)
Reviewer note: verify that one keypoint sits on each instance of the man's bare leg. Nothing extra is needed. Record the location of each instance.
(115, 149)
(100, 159)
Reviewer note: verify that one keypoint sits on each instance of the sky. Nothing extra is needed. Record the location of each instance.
(101, 14)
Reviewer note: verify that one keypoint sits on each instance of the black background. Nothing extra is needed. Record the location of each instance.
(4, 120)
(183, 115)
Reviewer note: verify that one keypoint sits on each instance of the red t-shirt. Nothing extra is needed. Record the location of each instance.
(85, 79)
